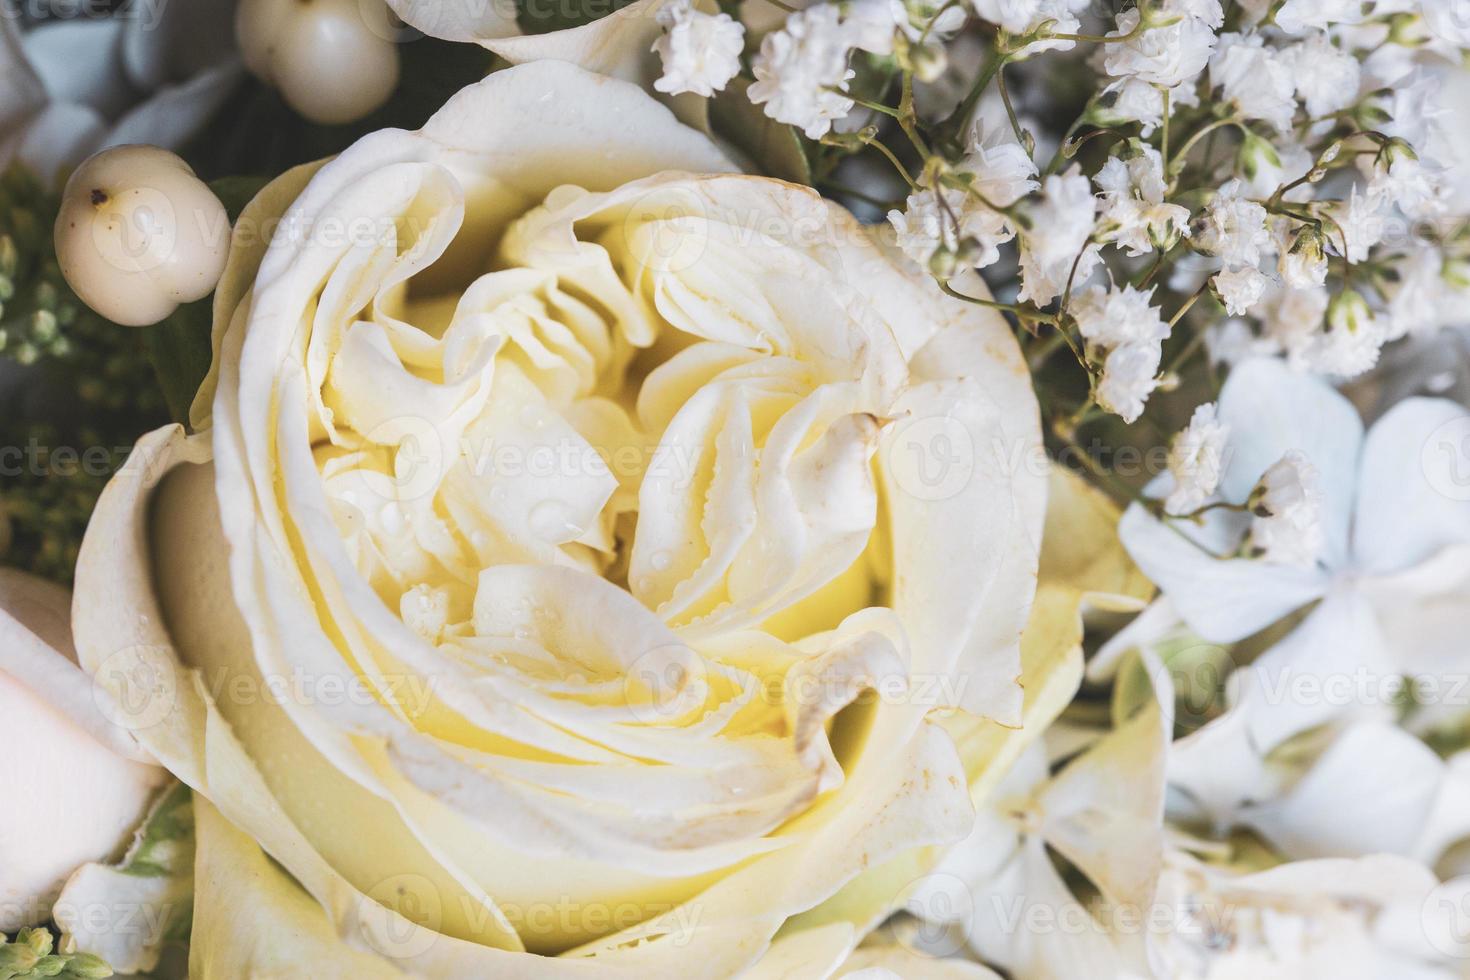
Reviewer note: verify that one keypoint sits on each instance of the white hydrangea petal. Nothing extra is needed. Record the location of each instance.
(1224, 600)
(1271, 411)
(1413, 486)
(1371, 792)
(1333, 664)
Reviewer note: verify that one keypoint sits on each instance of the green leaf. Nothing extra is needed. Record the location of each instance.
(776, 149)
(180, 350)
(179, 347)
(29, 957)
(236, 192)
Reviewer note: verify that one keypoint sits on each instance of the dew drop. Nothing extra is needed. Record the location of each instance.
(661, 560)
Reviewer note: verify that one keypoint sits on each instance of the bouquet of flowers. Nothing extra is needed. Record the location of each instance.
(668, 488)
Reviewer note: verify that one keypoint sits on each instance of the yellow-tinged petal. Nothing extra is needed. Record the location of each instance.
(1082, 562)
(252, 920)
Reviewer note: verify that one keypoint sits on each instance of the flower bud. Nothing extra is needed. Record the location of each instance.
(328, 61)
(1394, 150)
(1304, 265)
(138, 234)
(943, 263)
(1349, 311)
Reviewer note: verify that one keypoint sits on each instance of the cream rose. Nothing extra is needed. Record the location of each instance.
(578, 546)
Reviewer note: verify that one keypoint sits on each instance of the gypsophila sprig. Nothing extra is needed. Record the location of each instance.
(1286, 166)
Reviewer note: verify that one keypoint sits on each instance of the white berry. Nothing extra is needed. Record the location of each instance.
(138, 234)
(329, 63)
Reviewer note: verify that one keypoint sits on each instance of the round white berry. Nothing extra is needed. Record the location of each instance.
(138, 234)
(329, 63)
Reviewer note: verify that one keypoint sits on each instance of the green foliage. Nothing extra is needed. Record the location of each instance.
(776, 149)
(75, 390)
(31, 956)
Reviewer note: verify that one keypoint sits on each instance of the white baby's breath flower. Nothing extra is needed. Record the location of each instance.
(1418, 113)
(871, 25)
(1130, 374)
(1418, 189)
(1327, 77)
(999, 167)
(1061, 225)
(1233, 228)
(1256, 78)
(700, 52)
(1362, 222)
(1165, 56)
(1000, 172)
(946, 218)
(1293, 319)
(1240, 289)
(1212, 12)
(1134, 212)
(1197, 460)
(1299, 16)
(1287, 504)
(1027, 16)
(1133, 101)
(1303, 263)
(1343, 353)
(1355, 334)
(927, 223)
(1114, 317)
(799, 66)
(1137, 101)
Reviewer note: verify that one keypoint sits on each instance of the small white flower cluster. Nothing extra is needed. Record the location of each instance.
(1287, 164)
(1287, 504)
(1287, 161)
(700, 51)
(959, 218)
(802, 70)
(1126, 334)
(1197, 461)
